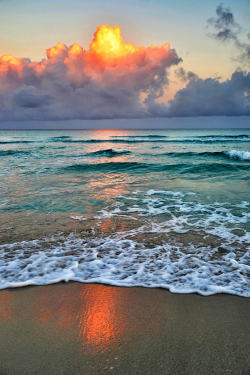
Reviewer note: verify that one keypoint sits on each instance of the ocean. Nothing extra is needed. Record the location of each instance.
(151, 208)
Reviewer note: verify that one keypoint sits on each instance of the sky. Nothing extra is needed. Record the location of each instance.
(164, 60)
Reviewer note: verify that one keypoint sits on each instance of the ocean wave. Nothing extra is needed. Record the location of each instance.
(233, 154)
(217, 263)
(224, 136)
(238, 154)
(192, 154)
(141, 136)
(109, 167)
(110, 153)
(3, 142)
(59, 138)
(160, 140)
(14, 152)
(141, 139)
(117, 167)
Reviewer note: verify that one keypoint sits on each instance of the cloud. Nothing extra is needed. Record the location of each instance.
(226, 29)
(185, 76)
(29, 97)
(105, 81)
(224, 24)
(209, 97)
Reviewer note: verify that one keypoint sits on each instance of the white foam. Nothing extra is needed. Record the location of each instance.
(236, 154)
(124, 262)
(78, 217)
(205, 267)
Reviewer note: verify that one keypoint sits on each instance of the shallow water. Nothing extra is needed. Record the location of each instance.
(147, 208)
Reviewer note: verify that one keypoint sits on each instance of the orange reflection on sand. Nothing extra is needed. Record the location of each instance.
(94, 313)
(5, 309)
(51, 310)
(101, 321)
(46, 313)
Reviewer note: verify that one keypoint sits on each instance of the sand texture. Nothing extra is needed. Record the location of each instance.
(73, 328)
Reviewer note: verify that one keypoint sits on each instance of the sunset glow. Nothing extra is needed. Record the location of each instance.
(108, 43)
(111, 79)
(9, 61)
(125, 69)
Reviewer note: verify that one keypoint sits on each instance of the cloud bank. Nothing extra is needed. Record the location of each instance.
(105, 81)
(210, 97)
(114, 80)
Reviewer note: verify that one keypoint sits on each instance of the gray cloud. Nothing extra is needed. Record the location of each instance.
(185, 76)
(72, 84)
(224, 24)
(28, 97)
(226, 29)
(209, 97)
(75, 84)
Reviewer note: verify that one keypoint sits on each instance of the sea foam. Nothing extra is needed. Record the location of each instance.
(125, 262)
(236, 154)
(217, 263)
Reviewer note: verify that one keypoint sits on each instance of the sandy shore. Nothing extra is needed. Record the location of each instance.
(95, 329)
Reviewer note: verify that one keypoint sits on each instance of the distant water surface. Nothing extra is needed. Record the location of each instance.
(149, 208)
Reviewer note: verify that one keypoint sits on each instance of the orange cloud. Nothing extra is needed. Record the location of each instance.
(108, 43)
(60, 50)
(106, 81)
(9, 62)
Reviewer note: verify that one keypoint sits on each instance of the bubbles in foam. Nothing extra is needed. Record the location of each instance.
(206, 248)
(126, 262)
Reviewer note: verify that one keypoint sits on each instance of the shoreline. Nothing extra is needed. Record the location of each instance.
(74, 328)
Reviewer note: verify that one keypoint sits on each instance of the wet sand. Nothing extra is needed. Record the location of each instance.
(73, 328)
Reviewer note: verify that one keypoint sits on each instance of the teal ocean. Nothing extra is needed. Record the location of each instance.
(152, 208)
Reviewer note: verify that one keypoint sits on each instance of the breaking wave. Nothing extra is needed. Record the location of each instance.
(218, 264)
(241, 155)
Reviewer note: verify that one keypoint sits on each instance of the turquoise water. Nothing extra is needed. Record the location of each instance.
(149, 207)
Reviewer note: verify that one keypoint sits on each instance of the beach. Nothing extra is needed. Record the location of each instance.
(124, 188)
(144, 208)
(124, 252)
(74, 328)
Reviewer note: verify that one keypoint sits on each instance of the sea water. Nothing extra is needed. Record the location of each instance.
(152, 208)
